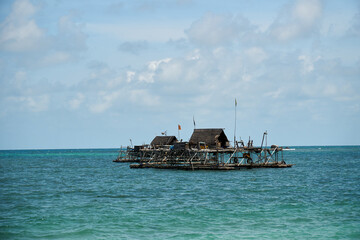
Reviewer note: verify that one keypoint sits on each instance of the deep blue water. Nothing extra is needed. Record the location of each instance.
(82, 194)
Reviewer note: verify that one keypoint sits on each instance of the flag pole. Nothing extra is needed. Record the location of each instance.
(235, 125)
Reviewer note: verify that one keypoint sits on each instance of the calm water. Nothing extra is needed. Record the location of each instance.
(82, 194)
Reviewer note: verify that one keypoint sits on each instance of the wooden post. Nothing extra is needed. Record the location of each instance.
(235, 124)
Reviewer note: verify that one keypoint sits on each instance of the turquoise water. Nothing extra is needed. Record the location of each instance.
(82, 194)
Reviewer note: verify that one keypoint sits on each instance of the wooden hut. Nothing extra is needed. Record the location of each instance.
(160, 141)
(211, 138)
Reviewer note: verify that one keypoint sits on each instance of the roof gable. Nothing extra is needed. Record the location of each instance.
(209, 135)
(163, 140)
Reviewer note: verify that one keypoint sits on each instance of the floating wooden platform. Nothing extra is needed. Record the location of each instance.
(217, 158)
(211, 166)
(126, 160)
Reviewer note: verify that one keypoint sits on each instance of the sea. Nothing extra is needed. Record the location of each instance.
(82, 194)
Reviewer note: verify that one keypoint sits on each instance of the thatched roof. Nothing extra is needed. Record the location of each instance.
(163, 140)
(212, 137)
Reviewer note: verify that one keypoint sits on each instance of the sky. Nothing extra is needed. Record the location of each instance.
(95, 74)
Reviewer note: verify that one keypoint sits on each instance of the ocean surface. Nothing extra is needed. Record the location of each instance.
(82, 194)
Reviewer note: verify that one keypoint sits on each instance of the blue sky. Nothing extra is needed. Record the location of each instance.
(94, 74)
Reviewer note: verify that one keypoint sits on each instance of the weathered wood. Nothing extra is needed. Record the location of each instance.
(210, 166)
(214, 158)
(127, 160)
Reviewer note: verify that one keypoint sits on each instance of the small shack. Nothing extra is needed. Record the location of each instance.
(211, 138)
(160, 141)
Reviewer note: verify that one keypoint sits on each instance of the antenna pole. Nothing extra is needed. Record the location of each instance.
(235, 124)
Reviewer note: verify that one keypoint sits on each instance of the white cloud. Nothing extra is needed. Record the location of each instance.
(171, 71)
(31, 103)
(143, 97)
(115, 82)
(130, 76)
(55, 57)
(70, 36)
(275, 94)
(38, 103)
(22, 9)
(215, 30)
(77, 101)
(147, 77)
(308, 63)
(19, 78)
(212, 30)
(330, 90)
(256, 55)
(354, 29)
(137, 32)
(152, 66)
(307, 11)
(246, 77)
(297, 20)
(19, 32)
(105, 101)
(194, 55)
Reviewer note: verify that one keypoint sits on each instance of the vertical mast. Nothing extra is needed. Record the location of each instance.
(235, 125)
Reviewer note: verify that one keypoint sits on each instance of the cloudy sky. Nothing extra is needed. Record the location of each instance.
(94, 74)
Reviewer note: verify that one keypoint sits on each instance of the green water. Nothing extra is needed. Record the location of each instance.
(82, 194)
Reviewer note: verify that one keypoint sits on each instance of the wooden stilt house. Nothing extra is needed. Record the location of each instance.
(209, 138)
(160, 141)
